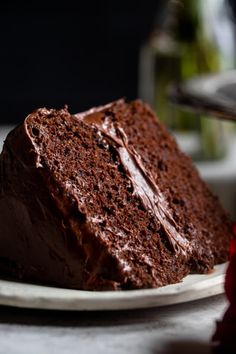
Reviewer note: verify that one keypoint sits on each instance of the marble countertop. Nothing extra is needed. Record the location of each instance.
(184, 328)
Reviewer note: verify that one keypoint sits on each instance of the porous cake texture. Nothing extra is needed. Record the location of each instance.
(104, 200)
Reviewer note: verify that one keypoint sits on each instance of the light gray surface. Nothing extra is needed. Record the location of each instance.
(185, 328)
(4, 129)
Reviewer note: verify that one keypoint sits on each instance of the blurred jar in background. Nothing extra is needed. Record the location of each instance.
(190, 38)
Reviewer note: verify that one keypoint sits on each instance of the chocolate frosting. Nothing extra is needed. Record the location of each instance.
(143, 182)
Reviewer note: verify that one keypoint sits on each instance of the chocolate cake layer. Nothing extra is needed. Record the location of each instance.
(104, 200)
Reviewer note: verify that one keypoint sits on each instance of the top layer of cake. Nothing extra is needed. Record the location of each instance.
(105, 201)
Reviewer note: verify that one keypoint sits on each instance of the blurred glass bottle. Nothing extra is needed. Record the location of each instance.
(191, 37)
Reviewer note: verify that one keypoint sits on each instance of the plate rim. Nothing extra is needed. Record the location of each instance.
(31, 296)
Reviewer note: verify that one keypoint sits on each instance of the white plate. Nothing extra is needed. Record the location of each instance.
(193, 287)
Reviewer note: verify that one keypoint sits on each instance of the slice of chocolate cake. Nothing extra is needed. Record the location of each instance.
(104, 200)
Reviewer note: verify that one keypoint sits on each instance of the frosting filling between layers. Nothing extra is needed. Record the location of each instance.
(142, 181)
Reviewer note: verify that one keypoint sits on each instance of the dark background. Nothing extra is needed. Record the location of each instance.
(79, 53)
